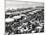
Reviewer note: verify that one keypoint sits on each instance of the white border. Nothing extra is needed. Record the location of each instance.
(2, 24)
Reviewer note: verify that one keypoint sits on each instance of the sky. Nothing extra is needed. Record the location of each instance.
(21, 4)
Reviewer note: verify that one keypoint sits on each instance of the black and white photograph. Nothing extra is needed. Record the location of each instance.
(24, 17)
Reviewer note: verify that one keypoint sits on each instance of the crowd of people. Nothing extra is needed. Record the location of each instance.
(25, 20)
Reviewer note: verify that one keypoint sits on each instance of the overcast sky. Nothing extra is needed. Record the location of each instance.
(21, 4)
